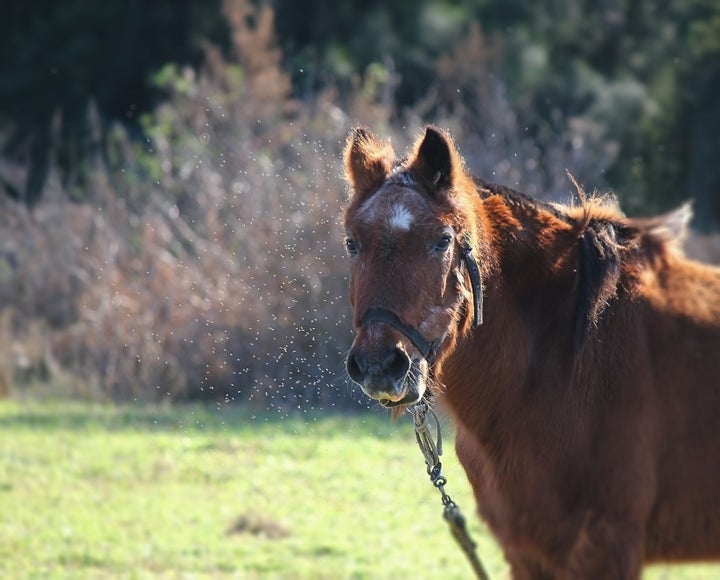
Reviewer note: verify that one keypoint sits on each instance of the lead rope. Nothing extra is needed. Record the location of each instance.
(431, 449)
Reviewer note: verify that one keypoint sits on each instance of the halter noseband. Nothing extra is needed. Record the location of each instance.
(425, 347)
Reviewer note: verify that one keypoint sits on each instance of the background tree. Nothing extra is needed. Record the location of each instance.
(61, 57)
(638, 76)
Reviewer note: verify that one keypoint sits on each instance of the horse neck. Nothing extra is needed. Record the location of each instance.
(528, 268)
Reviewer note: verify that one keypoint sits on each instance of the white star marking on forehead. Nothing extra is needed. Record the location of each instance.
(400, 217)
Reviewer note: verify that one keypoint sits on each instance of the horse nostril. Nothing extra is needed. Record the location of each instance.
(357, 366)
(383, 372)
(396, 364)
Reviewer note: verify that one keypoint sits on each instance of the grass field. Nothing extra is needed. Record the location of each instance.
(91, 491)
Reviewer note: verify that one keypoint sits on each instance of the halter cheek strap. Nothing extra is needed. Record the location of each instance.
(425, 347)
(475, 281)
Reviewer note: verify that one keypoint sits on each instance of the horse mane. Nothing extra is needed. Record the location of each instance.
(611, 245)
(614, 249)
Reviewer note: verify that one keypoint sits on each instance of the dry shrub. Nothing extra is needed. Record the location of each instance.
(226, 282)
(208, 265)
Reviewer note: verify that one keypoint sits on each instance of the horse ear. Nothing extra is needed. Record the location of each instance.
(367, 160)
(436, 160)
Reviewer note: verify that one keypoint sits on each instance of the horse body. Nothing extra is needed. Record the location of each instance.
(596, 461)
(587, 402)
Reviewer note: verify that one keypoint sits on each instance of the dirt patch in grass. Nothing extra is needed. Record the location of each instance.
(259, 525)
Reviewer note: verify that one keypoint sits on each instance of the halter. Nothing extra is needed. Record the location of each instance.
(427, 348)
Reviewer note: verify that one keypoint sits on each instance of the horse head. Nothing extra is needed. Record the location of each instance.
(412, 232)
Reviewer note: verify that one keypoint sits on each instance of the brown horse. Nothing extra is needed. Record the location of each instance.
(577, 351)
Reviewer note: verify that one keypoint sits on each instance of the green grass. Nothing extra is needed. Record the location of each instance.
(92, 491)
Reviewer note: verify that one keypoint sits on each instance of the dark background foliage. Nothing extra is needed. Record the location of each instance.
(58, 57)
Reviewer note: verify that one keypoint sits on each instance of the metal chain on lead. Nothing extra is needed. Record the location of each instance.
(431, 448)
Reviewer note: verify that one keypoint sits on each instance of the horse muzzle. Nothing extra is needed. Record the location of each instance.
(389, 376)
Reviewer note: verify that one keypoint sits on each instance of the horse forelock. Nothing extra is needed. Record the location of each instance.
(403, 200)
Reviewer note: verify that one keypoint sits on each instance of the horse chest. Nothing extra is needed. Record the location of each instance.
(518, 495)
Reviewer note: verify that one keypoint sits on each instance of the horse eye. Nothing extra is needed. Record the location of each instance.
(443, 243)
(351, 246)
